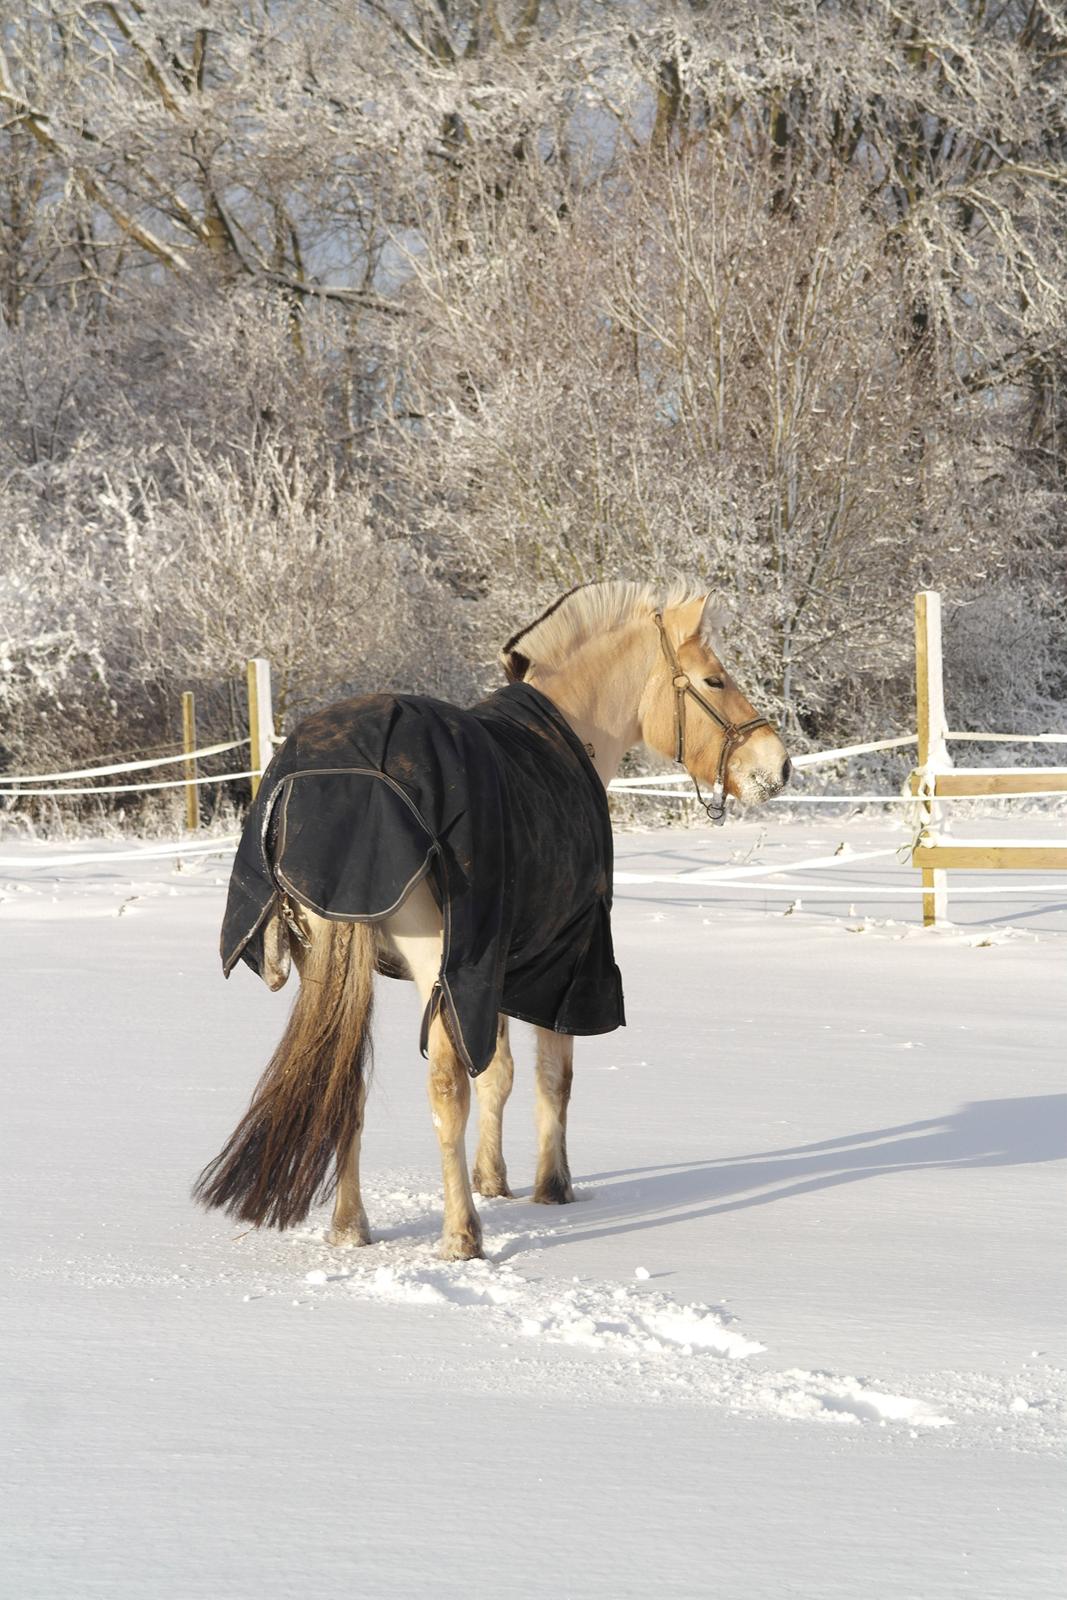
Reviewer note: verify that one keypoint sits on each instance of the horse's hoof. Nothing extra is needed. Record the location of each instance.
(553, 1191)
(464, 1246)
(491, 1188)
(347, 1238)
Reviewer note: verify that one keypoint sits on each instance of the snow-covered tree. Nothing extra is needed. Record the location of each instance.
(350, 332)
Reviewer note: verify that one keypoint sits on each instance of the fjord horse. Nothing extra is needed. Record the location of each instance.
(624, 665)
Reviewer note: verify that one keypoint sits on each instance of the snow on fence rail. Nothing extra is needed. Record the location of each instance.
(933, 780)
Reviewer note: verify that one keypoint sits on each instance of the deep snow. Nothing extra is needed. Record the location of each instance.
(802, 1333)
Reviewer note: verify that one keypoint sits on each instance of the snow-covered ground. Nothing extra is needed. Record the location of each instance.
(801, 1335)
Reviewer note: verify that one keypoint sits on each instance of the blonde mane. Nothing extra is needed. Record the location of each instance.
(591, 608)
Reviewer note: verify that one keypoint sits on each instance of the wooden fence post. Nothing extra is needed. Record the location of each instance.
(931, 728)
(260, 719)
(192, 791)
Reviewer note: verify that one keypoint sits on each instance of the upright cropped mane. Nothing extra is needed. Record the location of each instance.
(578, 615)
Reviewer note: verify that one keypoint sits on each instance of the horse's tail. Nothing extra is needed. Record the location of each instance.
(309, 1102)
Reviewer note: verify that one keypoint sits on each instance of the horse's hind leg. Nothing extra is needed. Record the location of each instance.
(414, 933)
(450, 1099)
(555, 1058)
(493, 1086)
(349, 1223)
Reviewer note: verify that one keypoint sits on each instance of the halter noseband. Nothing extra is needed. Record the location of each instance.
(733, 734)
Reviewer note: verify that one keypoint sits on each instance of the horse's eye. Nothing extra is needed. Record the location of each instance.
(714, 683)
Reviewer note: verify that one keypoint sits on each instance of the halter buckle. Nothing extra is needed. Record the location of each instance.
(681, 680)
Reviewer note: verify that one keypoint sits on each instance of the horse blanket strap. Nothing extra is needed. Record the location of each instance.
(733, 734)
(501, 811)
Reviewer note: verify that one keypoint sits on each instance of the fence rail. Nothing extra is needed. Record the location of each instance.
(124, 766)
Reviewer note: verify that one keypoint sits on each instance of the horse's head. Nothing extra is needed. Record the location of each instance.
(694, 712)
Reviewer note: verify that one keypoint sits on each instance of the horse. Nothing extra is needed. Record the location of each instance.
(621, 663)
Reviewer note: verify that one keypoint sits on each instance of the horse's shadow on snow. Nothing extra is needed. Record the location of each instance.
(982, 1133)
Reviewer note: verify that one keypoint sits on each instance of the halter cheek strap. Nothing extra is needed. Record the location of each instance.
(734, 734)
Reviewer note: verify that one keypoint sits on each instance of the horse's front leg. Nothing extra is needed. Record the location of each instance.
(555, 1070)
(493, 1086)
(450, 1099)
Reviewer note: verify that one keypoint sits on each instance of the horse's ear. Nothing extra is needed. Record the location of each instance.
(515, 665)
(712, 621)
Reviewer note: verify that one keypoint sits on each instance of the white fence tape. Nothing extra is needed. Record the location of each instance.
(818, 756)
(815, 758)
(642, 786)
(909, 799)
(123, 766)
(859, 799)
(137, 788)
(622, 784)
(665, 794)
(847, 799)
(855, 891)
(702, 877)
(1011, 738)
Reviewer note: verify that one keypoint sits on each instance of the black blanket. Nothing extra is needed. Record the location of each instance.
(498, 807)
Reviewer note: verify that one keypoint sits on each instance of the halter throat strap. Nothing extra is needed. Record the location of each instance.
(734, 734)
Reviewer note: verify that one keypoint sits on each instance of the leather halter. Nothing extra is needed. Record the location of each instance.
(734, 734)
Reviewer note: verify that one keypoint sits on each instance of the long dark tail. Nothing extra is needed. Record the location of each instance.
(309, 1102)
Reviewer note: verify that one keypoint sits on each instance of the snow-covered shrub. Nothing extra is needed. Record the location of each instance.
(353, 340)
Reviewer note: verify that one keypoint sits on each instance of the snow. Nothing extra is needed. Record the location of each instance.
(802, 1332)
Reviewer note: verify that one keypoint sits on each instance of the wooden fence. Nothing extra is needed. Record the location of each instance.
(935, 777)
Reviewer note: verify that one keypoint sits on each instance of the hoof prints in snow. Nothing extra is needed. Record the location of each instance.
(819, 1394)
(594, 1316)
(637, 1342)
